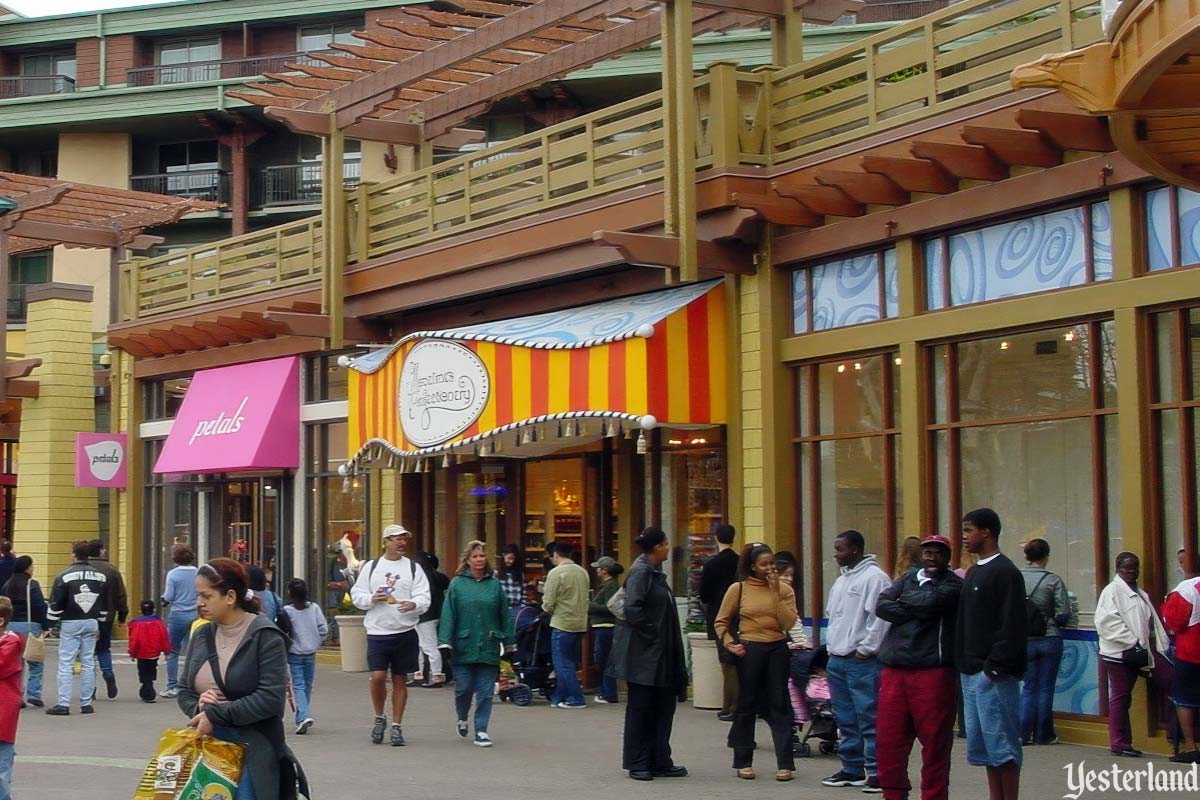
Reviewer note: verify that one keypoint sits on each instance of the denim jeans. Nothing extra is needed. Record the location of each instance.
(565, 649)
(854, 685)
(992, 710)
(34, 669)
(77, 638)
(602, 639)
(304, 668)
(478, 680)
(7, 751)
(245, 787)
(1037, 697)
(178, 626)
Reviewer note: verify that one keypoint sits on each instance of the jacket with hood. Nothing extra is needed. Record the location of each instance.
(922, 615)
(853, 626)
(79, 592)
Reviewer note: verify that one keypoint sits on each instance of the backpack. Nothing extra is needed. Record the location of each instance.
(1035, 620)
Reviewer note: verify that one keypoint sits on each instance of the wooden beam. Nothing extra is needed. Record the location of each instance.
(181, 344)
(226, 334)
(244, 327)
(67, 234)
(27, 389)
(759, 8)
(780, 210)
(964, 161)
(154, 345)
(912, 174)
(663, 251)
(130, 345)
(10, 431)
(198, 337)
(238, 354)
(865, 187)
(1013, 146)
(1068, 131)
(20, 368)
(373, 129)
(824, 200)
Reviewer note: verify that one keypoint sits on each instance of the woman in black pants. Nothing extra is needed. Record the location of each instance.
(755, 617)
(648, 655)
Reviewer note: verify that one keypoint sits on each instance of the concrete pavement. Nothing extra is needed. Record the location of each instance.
(540, 753)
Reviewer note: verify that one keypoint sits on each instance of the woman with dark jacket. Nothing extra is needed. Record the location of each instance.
(27, 620)
(648, 655)
(234, 676)
(1044, 649)
(604, 623)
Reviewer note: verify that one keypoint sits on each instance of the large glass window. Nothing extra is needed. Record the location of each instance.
(186, 60)
(1054, 250)
(162, 399)
(320, 37)
(1172, 228)
(847, 291)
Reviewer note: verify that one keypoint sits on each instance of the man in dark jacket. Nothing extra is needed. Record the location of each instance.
(116, 604)
(427, 624)
(989, 651)
(918, 674)
(716, 576)
(77, 603)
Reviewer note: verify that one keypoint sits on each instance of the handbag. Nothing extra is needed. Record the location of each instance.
(35, 646)
(1136, 657)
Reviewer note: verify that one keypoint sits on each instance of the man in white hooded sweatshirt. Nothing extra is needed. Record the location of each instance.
(853, 640)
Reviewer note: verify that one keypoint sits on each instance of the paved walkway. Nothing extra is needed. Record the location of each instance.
(540, 753)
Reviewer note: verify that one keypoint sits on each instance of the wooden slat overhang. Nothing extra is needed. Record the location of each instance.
(427, 69)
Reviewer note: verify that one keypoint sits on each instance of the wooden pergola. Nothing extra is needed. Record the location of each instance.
(51, 212)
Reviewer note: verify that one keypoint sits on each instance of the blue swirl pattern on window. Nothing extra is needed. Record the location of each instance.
(845, 292)
(1161, 252)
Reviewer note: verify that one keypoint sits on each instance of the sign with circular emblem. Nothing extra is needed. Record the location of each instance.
(443, 390)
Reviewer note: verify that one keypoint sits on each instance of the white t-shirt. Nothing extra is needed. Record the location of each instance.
(405, 580)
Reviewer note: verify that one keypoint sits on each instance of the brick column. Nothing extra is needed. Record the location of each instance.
(51, 512)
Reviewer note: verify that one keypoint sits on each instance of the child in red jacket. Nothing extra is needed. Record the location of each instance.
(148, 639)
(10, 694)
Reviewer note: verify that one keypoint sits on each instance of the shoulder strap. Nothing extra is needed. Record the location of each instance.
(371, 571)
(213, 661)
(1036, 585)
(28, 601)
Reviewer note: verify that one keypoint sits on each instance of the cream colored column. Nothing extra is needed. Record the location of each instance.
(51, 511)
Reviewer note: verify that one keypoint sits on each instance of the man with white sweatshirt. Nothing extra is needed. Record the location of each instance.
(853, 640)
(394, 593)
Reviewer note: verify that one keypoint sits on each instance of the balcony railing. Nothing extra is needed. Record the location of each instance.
(297, 184)
(194, 71)
(200, 184)
(17, 308)
(34, 85)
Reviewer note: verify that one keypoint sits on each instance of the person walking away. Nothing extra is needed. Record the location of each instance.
(233, 682)
(752, 624)
(10, 696)
(116, 603)
(648, 655)
(29, 619)
(270, 603)
(148, 639)
(1182, 615)
(309, 629)
(1133, 642)
(77, 604)
(716, 576)
(427, 627)
(475, 626)
(511, 575)
(603, 623)
(565, 599)
(179, 596)
(394, 593)
(1049, 610)
(853, 639)
(989, 652)
(918, 674)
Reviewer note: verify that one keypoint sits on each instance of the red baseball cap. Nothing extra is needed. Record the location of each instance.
(936, 539)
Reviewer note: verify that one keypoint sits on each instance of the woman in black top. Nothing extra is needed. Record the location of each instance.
(29, 619)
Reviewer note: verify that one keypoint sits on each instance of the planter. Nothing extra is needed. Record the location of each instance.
(354, 642)
(707, 685)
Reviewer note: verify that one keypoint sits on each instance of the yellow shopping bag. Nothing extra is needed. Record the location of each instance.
(188, 766)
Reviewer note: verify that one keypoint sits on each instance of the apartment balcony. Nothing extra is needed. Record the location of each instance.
(202, 184)
(296, 184)
(34, 85)
(225, 68)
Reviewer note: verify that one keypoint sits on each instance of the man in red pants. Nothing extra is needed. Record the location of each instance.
(917, 688)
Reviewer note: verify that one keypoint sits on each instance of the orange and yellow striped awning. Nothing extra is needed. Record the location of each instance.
(658, 359)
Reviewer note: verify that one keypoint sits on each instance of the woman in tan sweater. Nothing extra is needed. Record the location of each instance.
(753, 622)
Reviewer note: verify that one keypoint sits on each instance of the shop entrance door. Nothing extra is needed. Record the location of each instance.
(249, 518)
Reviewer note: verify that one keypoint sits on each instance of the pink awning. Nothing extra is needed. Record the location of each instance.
(234, 419)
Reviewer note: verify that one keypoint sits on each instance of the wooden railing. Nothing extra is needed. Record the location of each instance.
(951, 58)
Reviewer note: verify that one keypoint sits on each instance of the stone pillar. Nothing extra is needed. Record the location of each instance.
(51, 512)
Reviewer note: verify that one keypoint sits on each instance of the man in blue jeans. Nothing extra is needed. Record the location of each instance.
(77, 602)
(565, 599)
(853, 639)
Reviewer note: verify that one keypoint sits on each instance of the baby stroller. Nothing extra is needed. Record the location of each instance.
(532, 666)
(809, 691)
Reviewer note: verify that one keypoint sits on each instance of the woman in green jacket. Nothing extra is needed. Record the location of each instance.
(475, 625)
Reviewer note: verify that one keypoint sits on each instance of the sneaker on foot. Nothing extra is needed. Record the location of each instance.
(843, 778)
(572, 705)
(110, 682)
(36, 702)
(377, 730)
(482, 739)
(872, 785)
(397, 736)
(88, 709)
(58, 711)
(461, 727)
(601, 700)
(169, 693)
(304, 725)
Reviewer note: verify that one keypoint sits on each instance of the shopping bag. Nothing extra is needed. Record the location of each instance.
(188, 766)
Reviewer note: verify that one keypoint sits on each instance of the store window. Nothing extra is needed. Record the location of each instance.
(847, 444)
(170, 516)
(1175, 408)
(847, 291)
(325, 379)
(1068, 247)
(162, 399)
(1172, 228)
(337, 513)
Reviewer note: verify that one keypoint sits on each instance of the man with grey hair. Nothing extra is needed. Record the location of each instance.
(395, 594)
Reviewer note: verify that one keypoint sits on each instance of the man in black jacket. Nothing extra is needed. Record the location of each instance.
(918, 674)
(989, 651)
(77, 603)
(116, 603)
(716, 576)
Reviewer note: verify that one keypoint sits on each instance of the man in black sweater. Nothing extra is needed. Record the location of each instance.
(716, 576)
(990, 655)
(116, 604)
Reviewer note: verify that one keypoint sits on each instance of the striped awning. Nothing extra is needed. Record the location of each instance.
(599, 370)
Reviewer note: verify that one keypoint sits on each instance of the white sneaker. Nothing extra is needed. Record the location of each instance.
(169, 693)
(601, 700)
(461, 727)
(304, 725)
(483, 740)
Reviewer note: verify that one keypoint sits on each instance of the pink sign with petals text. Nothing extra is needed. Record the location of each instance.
(100, 460)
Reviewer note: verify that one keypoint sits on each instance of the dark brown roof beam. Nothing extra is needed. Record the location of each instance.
(780, 210)
(1068, 131)
(912, 174)
(964, 161)
(865, 187)
(649, 250)
(1013, 146)
(227, 334)
(824, 200)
